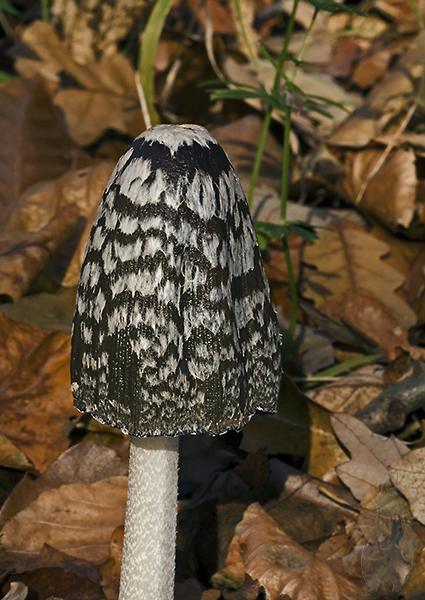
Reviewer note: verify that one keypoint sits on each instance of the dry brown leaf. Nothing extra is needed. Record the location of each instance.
(350, 393)
(408, 475)
(38, 147)
(372, 318)
(390, 195)
(95, 27)
(387, 101)
(111, 568)
(240, 140)
(392, 546)
(282, 566)
(23, 255)
(35, 398)
(86, 462)
(371, 454)
(401, 13)
(372, 67)
(108, 98)
(44, 582)
(38, 206)
(408, 258)
(354, 284)
(77, 519)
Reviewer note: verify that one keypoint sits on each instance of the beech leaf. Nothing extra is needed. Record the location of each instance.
(268, 554)
(77, 519)
(35, 398)
(38, 147)
(371, 454)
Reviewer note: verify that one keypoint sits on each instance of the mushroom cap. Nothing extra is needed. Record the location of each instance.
(174, 329)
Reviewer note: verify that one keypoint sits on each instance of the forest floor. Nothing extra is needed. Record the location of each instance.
(325, 499)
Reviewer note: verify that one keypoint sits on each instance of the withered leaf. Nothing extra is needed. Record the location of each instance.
(71, 586)
(390, 194)
(408, 475)
(35, 398)
(38, 147)
(23, 255)
(371, 454)
(108, 98)
(391, 548)
(40, 204)
(87, 462)
(282, 566)
(350, 393)
(352, 277)
(77, 519)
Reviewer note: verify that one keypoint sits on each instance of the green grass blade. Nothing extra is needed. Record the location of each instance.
(149, 43)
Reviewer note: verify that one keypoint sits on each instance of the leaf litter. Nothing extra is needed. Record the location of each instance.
(324, 499)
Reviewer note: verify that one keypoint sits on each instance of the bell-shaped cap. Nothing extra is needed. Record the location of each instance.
(174, 329)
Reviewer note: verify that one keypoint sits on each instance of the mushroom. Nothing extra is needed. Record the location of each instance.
(174, 329)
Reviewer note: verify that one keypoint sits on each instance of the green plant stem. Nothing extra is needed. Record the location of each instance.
(294, 298)
(285, 165)
(45, 11)
(148, 47)
(268, 114)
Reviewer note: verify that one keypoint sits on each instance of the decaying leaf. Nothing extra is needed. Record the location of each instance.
(350, 393)
(77, 519)
(96, 27)
(353, 284)
(85, 463)
(391, 548)
(111, 568)
(105, 92)
(11, 456)
(371, 454)
(38, 147)
(282, 566)
(408, 474)
(390, 194)
(41, 204)
(23, 255)
(35, 398)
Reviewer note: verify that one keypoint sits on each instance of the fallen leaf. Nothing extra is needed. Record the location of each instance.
(371, 454)
(108, 98)
(401, 13)
(77, 519)
(46, 581)
(30, 124)
(352, 392)
(408, 258)
(34, 209)
(111, 568)
(390, 194)
(12, 457)
(50, 312)
(392, 546)
(372, 67)
(18, 591)
(113, 23)
(299, 427)
(386, 101)
(87, 462)
(282, 566)
(408, 475)
(35, 398)
(23, 255)
(353, 283)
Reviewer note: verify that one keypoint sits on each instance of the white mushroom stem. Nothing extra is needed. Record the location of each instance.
(148, 558)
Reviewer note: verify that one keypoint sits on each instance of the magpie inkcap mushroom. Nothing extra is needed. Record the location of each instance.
(174, 329)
